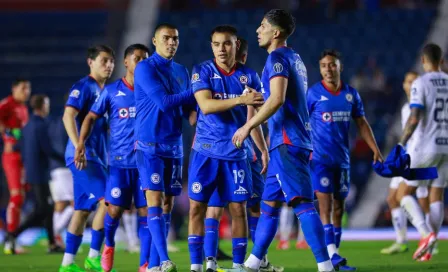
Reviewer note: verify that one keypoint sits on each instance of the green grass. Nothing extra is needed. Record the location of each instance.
(364, 255)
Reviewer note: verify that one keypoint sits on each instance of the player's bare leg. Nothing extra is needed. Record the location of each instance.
(196, 233)
(400, 225)
(416, 217)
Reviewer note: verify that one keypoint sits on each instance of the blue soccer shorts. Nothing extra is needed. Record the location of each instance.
(288, 175)
(160, 174)
(231, 179)
(123, 186)
(89, 185)
(330, 180)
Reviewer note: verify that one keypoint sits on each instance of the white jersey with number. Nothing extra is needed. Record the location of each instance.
(430, 93)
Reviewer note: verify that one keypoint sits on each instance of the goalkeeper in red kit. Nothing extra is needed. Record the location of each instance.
(13, 117)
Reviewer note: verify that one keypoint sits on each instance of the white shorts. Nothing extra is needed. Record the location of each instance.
(61, 184)
(430, 160)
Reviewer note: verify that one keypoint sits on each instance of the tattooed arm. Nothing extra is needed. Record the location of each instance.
(411, 124)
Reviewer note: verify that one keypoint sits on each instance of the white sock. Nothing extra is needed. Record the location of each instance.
(436, 214)
(93, 253)
(63, 220)
(68, 259)
(56, 216)
(325, 266)
(253, 262)
(428, 221)
(127, 223)
(400, 224)
(196, 267)
(332, 249)
(286, 222)
(264, 261)
(415, 214)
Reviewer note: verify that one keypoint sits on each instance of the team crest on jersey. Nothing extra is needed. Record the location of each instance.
(217, 96)
(195, 78)
(115, 192)
(278, 67)
(326, 117)
(123, 113)
(324, 181)
(244, 79)
(75, 94)
(349, 97)
(155, 178)
(196, 187)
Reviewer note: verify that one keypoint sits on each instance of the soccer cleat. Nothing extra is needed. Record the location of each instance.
(107, 258)
(424, 245)
(327, 271)
(93, 264)
(70, 268)
(211, 264)
(153, 269)
(10, 245)
(302, 245)
(395, 248)
(347, 268)
(143, 267)
(426, 257)
(238, 268)
(283, 245)
(56, 250)
(168, 266)
(271, 268)
(338, 261)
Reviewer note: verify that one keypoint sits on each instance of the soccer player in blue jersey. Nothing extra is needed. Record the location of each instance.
(332, 104)
(117, 101)
(89, 184)
(284, 81)
(215, 164)
(161, 89)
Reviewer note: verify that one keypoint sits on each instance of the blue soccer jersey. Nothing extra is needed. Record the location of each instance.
(214, 132)
(290, 124)
(330, 116)
(117, 100)
(82, 96)
(161, 88)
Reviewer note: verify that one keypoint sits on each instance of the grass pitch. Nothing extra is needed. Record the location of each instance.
(364, 255)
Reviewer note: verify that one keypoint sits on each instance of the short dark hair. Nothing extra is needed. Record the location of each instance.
(282, 19)
(164, 25)
(331, 52)
(94, 51)
(244, 48)
(17, 81)
(37, 101)
(433, 52)
(224, 29)
(137, 46)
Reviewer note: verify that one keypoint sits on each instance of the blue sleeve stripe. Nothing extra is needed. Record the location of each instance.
(420, 106)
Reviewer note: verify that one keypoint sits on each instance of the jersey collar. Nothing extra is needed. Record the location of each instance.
(162, 60)
(330, 91)
(222, 71)
(130, 87)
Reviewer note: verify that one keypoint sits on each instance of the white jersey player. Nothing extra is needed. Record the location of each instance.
(428, 124)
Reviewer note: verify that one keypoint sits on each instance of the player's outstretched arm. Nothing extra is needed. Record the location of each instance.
(367, 134)
(278, 87)
(208, 105)
(257, 136)
(150, 82)
(411, 125)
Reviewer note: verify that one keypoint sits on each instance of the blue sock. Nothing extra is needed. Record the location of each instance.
(154, 259)
(72, 243)
(313, 230)
(97, 239)
(329, 234)
(211, 237)
(156, 226)
(239, 249)
(266, 229)
(195, 246)
(253, 222)
(145, 239)
(337, 236)
(110, 228)
(167, 217)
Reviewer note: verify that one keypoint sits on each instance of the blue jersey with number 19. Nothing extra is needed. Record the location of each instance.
(214, 132)
(290, 124)
(117, 100)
